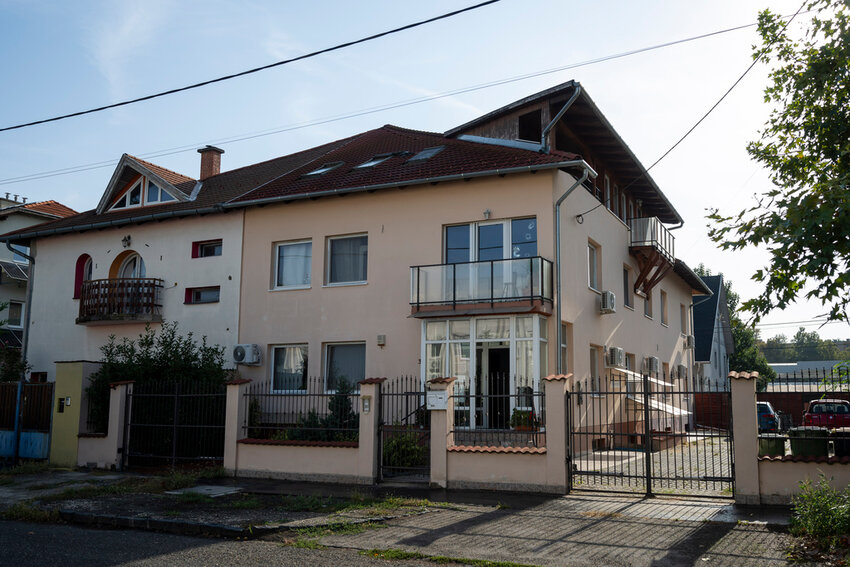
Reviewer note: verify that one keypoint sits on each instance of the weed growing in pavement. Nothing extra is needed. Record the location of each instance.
(309, 537)
(26, 512)
(402, 555)
(194, 498)
(34, 467)
(822, 513)
(246, 503)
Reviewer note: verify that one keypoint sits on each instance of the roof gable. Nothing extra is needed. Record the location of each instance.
(130, 169)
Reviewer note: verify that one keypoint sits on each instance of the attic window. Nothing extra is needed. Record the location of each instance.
(324, 169)
(134, 196)
(427, 153)
(529, 126)
(380, 158)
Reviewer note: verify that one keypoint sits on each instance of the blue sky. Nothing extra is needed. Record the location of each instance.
(60, 57)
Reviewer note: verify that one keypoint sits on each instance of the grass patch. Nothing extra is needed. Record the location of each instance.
(193, 498)
(26, 512)
(246, 503)
(48, 485)
(127, 486)
(338, 528)
(33, 467)
(402, 555)
(6, 480)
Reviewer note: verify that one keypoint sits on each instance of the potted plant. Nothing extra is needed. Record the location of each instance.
(524, 420)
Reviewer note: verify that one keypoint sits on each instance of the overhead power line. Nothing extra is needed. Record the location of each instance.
(371, 110)
(254, 70)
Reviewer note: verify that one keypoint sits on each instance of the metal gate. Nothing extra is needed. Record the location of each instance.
(169, 423)
(641, 434)
(26, 411)
(404, 431)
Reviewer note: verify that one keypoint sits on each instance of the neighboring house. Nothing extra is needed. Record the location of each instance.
(713, 334)
(391, 252)
(14, 264)
(804, 369)
(158, 247)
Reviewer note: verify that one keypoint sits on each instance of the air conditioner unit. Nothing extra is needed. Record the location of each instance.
(690, 341)
(246, 354)
(682, 371)
(652, 364)
(607, 302)
(615, 357)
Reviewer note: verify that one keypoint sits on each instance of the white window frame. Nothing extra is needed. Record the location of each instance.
(594, 379)
(628, 289)
(593, 266)
(663, 308)
(328, 258)
(326, 366)
(647, 305)
(273, 357)
(144, 186)
(20, 324)
(278, 245)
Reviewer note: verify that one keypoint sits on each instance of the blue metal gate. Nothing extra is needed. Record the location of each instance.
(25, 416)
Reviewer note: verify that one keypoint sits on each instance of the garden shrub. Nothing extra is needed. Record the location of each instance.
(821, 512)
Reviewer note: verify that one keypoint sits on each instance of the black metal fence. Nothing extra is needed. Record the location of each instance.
(311, 414)
(404, 430)
(503, 411)
(169, 423)
(642, 433)
(805, 414)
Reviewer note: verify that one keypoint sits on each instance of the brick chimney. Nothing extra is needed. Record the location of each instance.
(210, 161)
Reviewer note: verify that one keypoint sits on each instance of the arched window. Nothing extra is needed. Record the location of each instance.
(132, 267)
(82, 273)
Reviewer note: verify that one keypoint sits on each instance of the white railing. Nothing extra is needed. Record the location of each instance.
(649, 231)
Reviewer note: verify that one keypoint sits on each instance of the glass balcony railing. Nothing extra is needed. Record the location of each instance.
(489, 281)
(649, 231)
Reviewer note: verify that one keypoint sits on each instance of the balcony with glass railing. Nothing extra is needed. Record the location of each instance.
(120, 300)
(482, 285)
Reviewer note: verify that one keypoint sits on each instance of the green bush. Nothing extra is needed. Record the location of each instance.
(821, 512)
(404, 449)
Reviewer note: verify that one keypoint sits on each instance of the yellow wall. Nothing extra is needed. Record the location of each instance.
(66, 425)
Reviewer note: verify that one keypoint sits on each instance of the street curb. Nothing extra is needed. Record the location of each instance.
(179, 527)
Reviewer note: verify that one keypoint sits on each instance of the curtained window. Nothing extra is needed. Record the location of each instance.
(289, 368)
(347, 258)
(346, 361)
(293, 264)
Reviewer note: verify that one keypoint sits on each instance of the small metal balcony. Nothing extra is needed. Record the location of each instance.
(652, 245)
(120, 300)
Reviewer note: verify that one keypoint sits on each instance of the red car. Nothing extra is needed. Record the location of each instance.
(828, 413)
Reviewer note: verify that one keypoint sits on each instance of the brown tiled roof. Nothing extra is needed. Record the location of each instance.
(487, 449)
(171, 176)
(51, 208)
(214, 191)
(458, 157)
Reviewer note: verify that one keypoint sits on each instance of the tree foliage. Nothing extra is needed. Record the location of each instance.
(12, 366)
(805, 144)
(804, 345)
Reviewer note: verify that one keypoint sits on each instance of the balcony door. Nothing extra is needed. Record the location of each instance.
(133, 267)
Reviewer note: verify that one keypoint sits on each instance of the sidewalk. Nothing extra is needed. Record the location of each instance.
(580, 529)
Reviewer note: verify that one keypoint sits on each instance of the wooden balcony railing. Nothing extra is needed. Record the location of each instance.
(120, 300)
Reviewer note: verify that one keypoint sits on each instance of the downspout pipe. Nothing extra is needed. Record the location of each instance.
(28, 309)
(544, 137)
(588, 172)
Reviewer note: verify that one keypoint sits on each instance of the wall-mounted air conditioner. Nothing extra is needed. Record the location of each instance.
(652, 364)
(690, 341)
(615, 357)
(682, 371)
(607, 302)
(246, 354)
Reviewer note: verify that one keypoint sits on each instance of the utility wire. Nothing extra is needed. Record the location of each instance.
(371, 110)
(254, 70)
(704, 116)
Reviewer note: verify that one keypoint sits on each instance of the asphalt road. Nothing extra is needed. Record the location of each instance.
(40, 545)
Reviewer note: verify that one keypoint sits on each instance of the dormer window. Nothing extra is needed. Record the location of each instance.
(324, 169)
(143, 192)
(380, 158)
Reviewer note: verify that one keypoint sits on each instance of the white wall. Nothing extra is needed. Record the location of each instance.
(166, 248)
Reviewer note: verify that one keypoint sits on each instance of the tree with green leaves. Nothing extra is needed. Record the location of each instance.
(803, 220)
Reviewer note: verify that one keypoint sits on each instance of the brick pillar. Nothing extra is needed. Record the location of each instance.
(368, 445)
(233, 421)
(745, 434)
(555, 390)
(442, 424)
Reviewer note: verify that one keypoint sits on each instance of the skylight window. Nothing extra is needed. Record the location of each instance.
(380, 158)
(324, 169)
(134, 197)
(426, 154)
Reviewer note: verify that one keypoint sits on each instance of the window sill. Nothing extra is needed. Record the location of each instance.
(629, 307)
(663, 324)
(345, 284)
(291, 288)
(648, 316)
(199, 302)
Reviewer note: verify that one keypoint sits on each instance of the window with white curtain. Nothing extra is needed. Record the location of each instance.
(347, 259)
(289, 368)
(293, 264)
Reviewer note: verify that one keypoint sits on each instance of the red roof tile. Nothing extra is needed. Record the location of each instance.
(480, 449)
(51, 208)
(171, 176)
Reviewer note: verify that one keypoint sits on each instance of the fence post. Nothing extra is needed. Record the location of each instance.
(745, 435)
(18, 411)
(116, 434)
(370, 417)
(557, 459)
(234, 419)
(442, 424)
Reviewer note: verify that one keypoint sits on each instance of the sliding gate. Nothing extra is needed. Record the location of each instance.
(642, 434)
